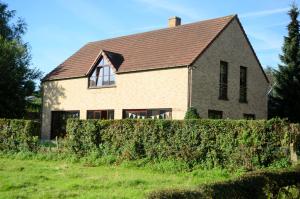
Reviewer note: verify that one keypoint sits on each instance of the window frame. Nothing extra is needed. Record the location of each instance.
(101, 76)
(243, 93)
(148, 112)
(101, 110)
(223, 81)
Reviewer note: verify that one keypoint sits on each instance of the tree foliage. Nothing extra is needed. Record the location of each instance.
(286, 97)
(191, 113)
(17, 78)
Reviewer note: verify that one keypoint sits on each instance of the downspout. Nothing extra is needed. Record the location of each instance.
(190, 82)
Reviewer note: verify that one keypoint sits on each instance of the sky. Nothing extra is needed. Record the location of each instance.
(58, 28)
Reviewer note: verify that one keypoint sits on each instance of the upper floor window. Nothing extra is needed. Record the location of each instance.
(243, 84)
(223, 80)
(103, 75)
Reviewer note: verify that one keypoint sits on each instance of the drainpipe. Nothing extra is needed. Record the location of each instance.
(190, 81)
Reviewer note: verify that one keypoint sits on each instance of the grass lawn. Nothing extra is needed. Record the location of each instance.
(58, 179)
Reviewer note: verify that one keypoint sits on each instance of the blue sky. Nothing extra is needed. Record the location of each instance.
(57, 28)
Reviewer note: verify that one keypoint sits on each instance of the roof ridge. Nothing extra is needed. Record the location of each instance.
(162, 29)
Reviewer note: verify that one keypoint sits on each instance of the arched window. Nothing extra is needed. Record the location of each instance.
(103, 75)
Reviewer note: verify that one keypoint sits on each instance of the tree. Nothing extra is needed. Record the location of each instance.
(17, 78)
(286, 97)
(191, 113)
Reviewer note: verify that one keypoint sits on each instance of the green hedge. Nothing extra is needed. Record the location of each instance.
(276, 184)
(19, 135)
(210, 143)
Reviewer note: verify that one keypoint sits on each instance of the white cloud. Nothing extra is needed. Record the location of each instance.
(264, 13)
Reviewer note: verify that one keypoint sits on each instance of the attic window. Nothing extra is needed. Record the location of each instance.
(102, 76)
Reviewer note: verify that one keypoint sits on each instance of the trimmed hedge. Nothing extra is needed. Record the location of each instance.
(253, 185)
(19, 135)
(210, 143)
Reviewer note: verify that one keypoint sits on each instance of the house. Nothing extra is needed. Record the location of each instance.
(209, 65)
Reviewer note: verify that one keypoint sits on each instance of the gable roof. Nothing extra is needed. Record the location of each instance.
(163, 48)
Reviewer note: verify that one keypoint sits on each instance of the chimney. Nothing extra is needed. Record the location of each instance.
(174, 21)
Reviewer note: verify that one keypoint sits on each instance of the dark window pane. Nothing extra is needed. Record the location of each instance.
(213, 114)
(97, 115)
(59, 121)
(249, 116)
(90, 115)
(223, 80)
(100, 114)
(243, 84)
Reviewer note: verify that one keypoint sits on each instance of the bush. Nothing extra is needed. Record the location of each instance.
(19, 135)
(268, 184)
(209, 143)
(191, 113)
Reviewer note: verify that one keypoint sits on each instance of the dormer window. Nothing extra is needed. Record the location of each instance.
(102, 76)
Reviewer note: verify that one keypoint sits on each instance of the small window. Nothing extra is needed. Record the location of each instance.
(223, 84)
(148, 113)
(243, 84)
(213, 114)
(100, 114)
(103, 75)
(249, 116)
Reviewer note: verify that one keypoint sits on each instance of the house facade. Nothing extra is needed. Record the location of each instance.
(209, 65)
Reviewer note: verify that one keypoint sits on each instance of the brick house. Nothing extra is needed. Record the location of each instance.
(209, 65)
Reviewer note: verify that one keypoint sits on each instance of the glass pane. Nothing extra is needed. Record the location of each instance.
(92, 81)
(111, 71)
(105, 80)
(99, 83)
(110, 114)
(138, 114)
(104, 115)
(101, 63)
(112, 80)
(101, 72)
(106, 70)
(90, 115)
(97, 115)
(94, 73)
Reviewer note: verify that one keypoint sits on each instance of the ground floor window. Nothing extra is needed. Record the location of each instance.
(165, 113)
(59, 122)
(214, 114)
(100, 114)
(249, 116)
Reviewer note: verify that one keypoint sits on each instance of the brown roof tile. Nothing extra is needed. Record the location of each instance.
(164, 48)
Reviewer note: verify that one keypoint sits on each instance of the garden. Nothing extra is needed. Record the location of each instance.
(151, 159)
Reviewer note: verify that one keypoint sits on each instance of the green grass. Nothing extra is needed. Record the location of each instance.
(59, 179)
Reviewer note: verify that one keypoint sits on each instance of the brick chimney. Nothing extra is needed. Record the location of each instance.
(174, 21)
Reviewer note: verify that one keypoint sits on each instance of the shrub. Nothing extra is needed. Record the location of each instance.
(266, 184)
(209, 143)
(19, 135)
(191, 113)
